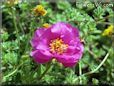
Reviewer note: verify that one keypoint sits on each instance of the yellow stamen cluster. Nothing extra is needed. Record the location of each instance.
(12, 2)
(39, 10)
(108, 31)
(58, 46)
(46, 25)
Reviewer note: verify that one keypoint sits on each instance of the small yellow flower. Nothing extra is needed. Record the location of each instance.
(46, 25)
(12, 2)
(39, 10)
(108, 31)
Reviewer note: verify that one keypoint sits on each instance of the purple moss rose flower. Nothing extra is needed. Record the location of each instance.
(60, 41)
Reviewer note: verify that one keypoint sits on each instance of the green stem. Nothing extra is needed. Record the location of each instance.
(47, 68)
(80, 72)
(100, 20)
(13, 71)
(29, 35)
(20, 25)
(10, 74)
(15, 24)
(16, 29)
(88, 73)
(108, 23)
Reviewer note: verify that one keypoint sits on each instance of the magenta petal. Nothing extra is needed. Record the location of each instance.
(75, 48)
(36, 37)
(68, 61)
(41, 56)
(71, 57)
(42, 44)
(69, 64)
(64, 31)
(39, 32)
(75, 31)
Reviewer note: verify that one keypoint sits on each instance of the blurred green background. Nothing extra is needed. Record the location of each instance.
(90, 16)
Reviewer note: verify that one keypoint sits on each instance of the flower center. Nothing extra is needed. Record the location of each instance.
(58, 46)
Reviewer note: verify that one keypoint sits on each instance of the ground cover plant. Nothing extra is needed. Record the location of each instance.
(52, 42)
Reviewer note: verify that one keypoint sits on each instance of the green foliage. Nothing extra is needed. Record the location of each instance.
(63, 6)
(19, 25)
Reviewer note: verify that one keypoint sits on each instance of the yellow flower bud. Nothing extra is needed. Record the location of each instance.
(108, 31)
(39, 10)
(46, 25)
